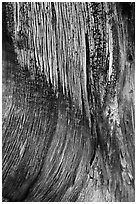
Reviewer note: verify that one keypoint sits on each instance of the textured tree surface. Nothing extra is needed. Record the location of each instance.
(68, 110)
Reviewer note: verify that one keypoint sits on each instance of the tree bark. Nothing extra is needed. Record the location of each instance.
(68, 101)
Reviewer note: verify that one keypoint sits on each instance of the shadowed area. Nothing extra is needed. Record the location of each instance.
(46, 145)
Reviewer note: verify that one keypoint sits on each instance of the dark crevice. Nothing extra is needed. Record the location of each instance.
(5, 34)
(87, 66)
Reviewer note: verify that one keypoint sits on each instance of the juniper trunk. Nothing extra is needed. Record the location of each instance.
(68, 106)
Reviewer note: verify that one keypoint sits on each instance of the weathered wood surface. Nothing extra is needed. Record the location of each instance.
(68, 102)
